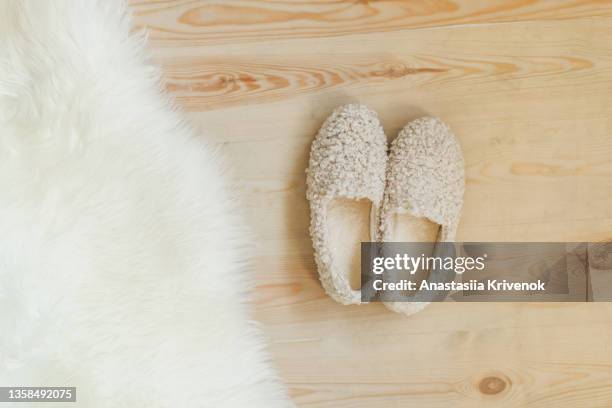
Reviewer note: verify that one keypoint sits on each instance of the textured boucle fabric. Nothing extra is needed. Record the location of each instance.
(425, 178)
(347, 160)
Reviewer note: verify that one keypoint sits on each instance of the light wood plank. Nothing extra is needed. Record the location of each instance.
(221, 21)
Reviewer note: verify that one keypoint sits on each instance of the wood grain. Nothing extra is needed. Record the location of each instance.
(527, 88)
(209, 84)
(202, 84)
(219, 21)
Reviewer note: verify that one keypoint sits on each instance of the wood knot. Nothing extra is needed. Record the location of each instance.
(492, 385)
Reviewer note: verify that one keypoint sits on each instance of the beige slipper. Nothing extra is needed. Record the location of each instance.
(345, 185)
(424, 192)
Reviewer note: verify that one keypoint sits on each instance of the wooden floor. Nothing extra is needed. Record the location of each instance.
(527, 87)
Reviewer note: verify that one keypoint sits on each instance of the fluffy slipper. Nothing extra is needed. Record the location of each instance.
(345, 186)
(424, 192)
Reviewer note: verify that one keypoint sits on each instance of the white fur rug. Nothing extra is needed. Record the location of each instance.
(122, 264)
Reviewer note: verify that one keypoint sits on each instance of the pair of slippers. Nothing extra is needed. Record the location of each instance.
(361, 191)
